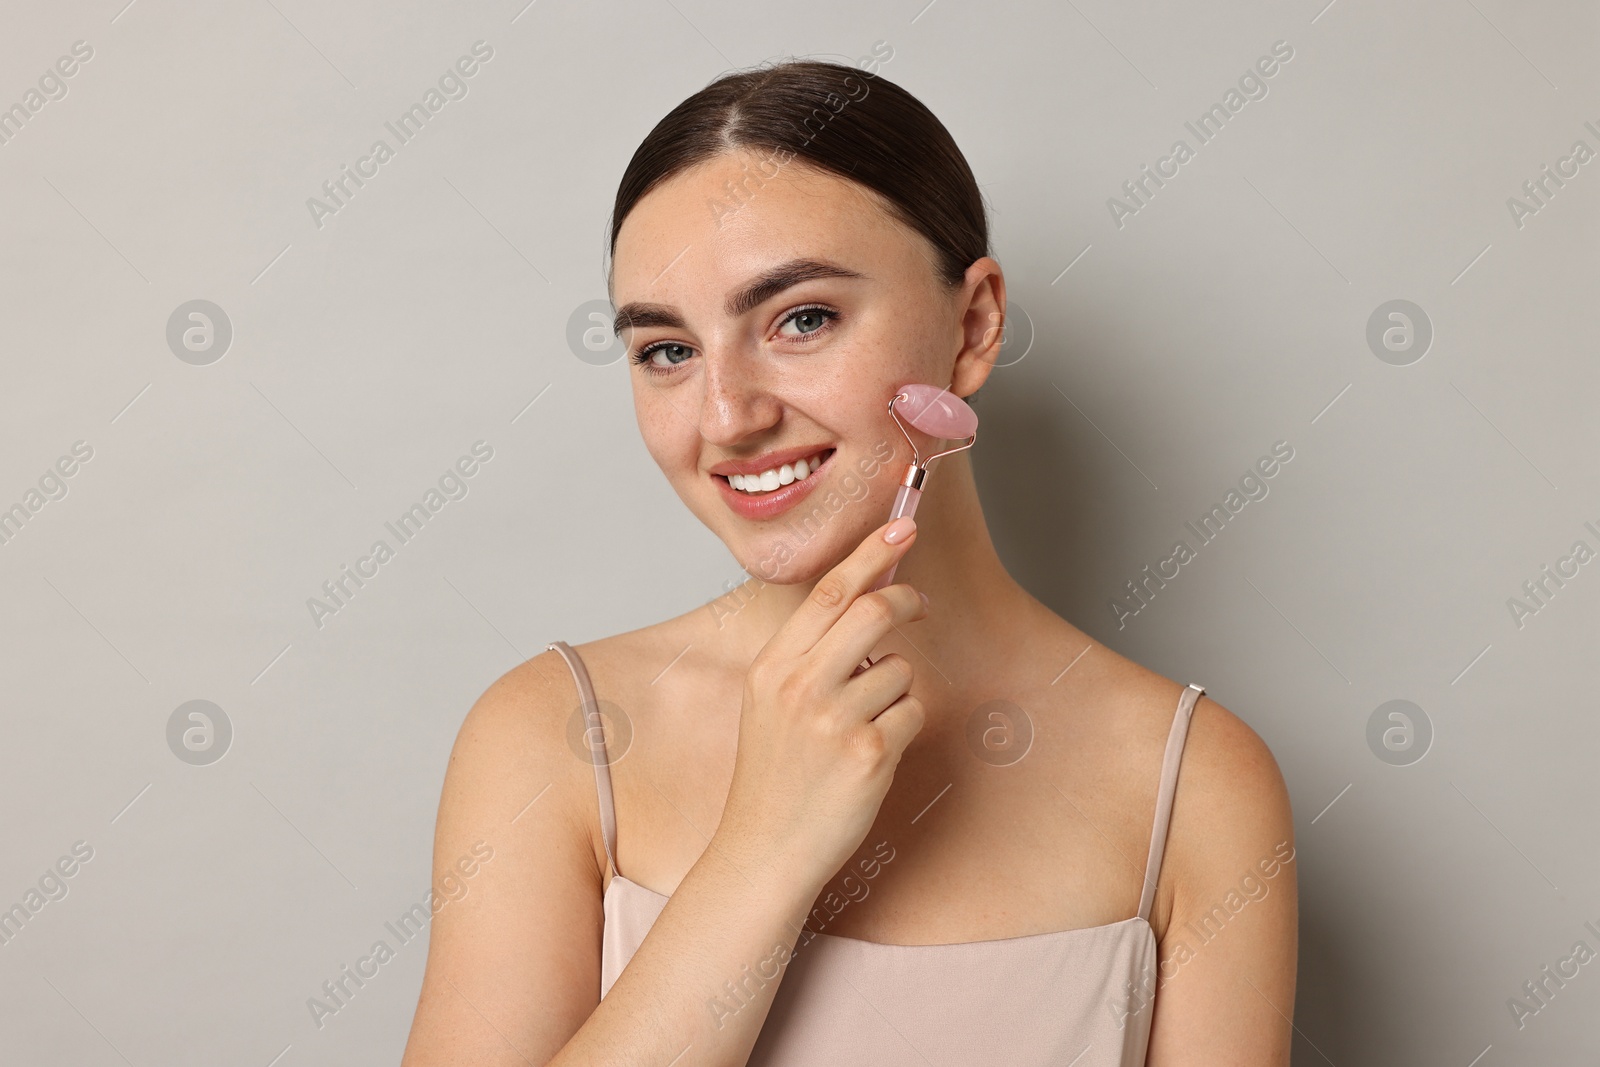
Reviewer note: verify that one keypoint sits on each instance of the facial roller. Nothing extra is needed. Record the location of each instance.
(941, 415)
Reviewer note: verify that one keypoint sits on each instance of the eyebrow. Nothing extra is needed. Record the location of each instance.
(763, 287)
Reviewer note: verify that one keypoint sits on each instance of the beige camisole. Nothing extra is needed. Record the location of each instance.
(1066, 998)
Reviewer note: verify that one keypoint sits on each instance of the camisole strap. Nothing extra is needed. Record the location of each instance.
(595, 735)
(1169, 786)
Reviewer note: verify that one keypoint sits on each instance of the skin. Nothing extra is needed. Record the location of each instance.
(1056, 841)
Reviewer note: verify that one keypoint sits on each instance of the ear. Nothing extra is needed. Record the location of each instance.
(982, 304)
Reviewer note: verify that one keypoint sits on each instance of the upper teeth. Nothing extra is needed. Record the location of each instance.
(772, 479)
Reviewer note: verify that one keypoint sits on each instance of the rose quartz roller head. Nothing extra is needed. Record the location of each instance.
(940, 414)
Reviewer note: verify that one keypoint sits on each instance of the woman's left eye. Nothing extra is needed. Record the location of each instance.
(811, 320)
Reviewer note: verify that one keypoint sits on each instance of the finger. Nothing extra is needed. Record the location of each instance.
(835, 591)
(863, 625)
(900, 722)
(880, 685)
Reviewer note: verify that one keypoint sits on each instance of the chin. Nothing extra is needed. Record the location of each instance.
(798, 555)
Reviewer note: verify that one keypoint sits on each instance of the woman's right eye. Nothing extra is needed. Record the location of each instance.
(645, 357)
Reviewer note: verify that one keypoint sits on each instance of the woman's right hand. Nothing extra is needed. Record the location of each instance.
(817, 747)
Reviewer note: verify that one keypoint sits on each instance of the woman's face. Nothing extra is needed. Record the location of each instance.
(775, 315)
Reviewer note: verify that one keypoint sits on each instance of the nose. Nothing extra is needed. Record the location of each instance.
(737, 402)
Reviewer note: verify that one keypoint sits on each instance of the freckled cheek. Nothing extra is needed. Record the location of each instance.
(902, 350)
(866, 364)
(672, 444)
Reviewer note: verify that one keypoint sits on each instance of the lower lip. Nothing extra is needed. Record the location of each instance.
(766, 505)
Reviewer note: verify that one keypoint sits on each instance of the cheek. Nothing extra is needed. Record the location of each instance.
(877, 357)
(667, 434)
(909, 346)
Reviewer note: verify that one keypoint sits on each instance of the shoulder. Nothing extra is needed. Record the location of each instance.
(519, 769)
(539, 698)
(532, 715)
(526, 704)
(1233, 756)
(1232, 826)
(516, 906)
(522, 741)
(1226, 906)
(514, 738)
(1230, 782)
(614, 661)
(1230, 809)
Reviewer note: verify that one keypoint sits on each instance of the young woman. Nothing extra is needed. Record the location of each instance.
(978, 850)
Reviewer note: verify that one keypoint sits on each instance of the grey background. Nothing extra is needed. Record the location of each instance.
(432, 312)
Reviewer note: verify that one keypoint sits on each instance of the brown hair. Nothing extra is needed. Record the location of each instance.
(842, 119)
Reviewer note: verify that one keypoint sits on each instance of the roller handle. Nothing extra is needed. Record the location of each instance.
(905, 503)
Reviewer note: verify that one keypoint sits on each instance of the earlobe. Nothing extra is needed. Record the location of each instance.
(973, 365)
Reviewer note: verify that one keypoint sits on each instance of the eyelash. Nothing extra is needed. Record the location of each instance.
(642, 357)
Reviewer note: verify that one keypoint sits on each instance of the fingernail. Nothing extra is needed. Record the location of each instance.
(924, 597)
(899, 529)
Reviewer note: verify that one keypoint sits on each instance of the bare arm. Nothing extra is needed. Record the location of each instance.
(1226, 973)
(513, 974)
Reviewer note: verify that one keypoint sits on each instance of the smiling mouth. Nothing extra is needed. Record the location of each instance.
(758, 485)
